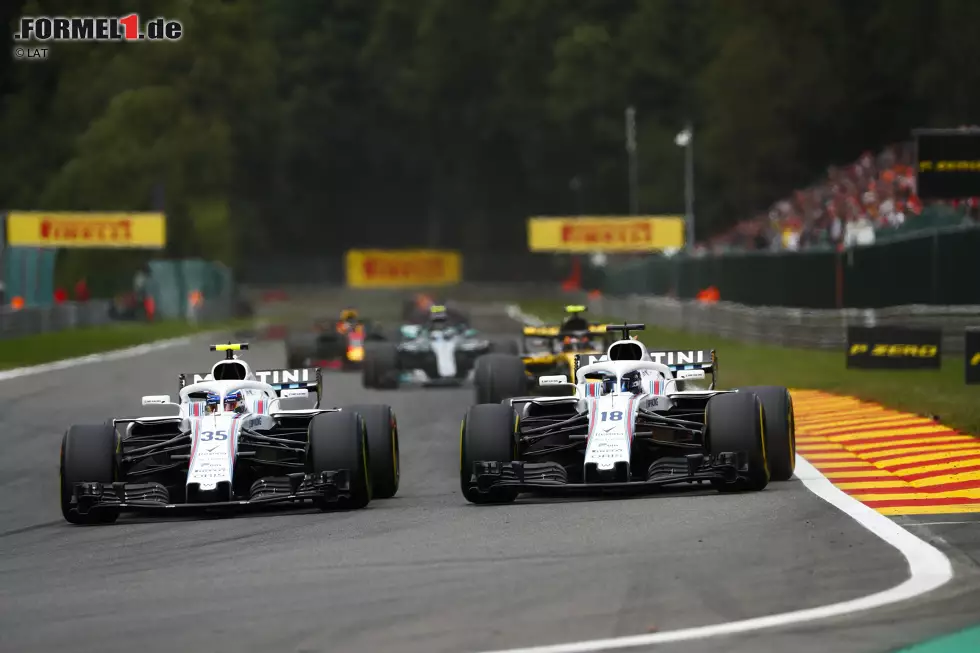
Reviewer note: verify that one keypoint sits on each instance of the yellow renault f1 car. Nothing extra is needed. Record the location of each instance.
(547, 350)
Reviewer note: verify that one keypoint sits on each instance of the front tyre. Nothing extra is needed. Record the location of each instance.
(385, 372)
(338, 441)
(498, 377)
(382, 445)
(780, 427)
(88, 455)
(489, 433)
(734, 422)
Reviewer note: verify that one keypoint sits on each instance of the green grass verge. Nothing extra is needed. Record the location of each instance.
(940, 392)
(47, 347)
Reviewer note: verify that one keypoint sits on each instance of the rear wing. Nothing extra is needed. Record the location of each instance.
(554, 331)
(679, 362)
(309, 378)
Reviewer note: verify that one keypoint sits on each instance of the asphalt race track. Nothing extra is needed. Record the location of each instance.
(425, 571)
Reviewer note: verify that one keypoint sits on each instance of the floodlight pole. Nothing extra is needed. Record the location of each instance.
(631, 151)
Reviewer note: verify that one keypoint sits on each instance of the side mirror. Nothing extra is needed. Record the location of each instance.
(555, 379)
(150, 400)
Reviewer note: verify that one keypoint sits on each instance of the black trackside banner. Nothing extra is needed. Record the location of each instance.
(948, 165)
(894, 348)
(971, 352)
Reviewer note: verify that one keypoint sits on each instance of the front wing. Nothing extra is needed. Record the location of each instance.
(552, 478)
(324, 488)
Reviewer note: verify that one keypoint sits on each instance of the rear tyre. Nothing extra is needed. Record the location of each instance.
(299, 348)
(368, 374)
(505, 347)
(780, 428)
(88, 455)
(384, 359)
(734, 422)
(499, 377)
(339, 441)
(489, 433)
(382, 444)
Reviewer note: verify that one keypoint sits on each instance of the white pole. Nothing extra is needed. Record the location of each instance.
(631, 150)
(689, 186)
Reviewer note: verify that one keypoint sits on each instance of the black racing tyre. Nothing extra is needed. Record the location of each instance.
(299, 347)
(499, 377)
(338, 441)
(734, 422)
(508, 346)
(489, 433)
(383, 358)
(368, 369)
(88, 455)
(777, 406)
(382, 444)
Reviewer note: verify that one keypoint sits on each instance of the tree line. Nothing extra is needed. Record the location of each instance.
(307, 127)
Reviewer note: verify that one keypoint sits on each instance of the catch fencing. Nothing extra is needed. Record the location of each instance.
(787, 327)
(937, 268)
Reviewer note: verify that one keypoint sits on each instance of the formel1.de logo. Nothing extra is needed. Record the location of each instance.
(45, 29)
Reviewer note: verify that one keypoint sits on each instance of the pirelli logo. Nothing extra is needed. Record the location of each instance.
(893, 348)
(920, 351)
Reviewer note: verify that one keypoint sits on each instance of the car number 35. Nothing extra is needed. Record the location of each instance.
(213, 435)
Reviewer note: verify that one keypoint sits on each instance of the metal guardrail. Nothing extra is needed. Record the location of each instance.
(787, 327)
(58, 317)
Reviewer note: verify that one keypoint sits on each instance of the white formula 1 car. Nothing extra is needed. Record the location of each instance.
(231, 444)
(628, 423)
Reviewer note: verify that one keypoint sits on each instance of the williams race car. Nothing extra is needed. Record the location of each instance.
(627, 424)
(332, 344)
(438, 353)
(547, 350)
(231, 444)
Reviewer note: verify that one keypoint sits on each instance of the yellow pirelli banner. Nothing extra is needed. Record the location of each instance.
(87, 230)
(403, 268)
(645, 233)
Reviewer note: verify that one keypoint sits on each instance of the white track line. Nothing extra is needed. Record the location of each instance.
(929, 569)
(116, 354)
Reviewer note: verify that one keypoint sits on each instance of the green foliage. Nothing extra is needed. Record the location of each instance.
(449, 122)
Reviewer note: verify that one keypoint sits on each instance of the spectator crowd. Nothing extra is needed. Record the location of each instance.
(845, 208)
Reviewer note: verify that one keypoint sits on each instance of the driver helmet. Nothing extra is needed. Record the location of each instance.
(575, 343)
(348, 319)
(235, 402)
(631, 382)
(212, 402)
(438, 315)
